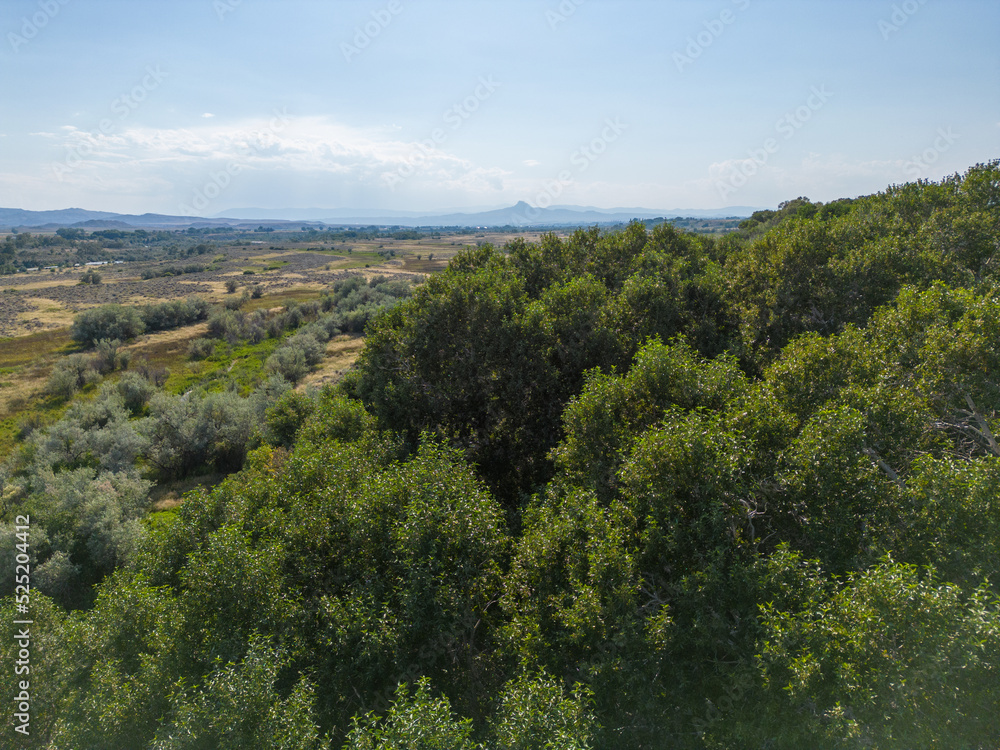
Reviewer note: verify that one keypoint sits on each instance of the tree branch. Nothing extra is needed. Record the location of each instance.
(888, 470)
(984, 428)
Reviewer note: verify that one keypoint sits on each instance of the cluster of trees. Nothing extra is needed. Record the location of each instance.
(70, 246)
(26, 250)
(156, 273)
(76, 371)
(635, 489)
(124, 322)
(91, 276)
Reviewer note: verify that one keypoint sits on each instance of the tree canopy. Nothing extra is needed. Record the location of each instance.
(626, 489)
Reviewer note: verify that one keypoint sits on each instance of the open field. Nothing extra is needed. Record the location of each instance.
(48, 299)
(38, 307)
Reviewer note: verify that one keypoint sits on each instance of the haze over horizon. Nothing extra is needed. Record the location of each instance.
(198, 106)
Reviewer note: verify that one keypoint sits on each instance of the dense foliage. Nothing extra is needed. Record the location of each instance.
(640, 489)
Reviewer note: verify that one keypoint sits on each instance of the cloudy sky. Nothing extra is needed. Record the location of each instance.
(198, 106)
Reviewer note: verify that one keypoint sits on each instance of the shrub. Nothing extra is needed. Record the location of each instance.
(256, 333)
(71, 374)
(174, 314)
(201, 348)
(109, 356)
(58, 577)
(284, 418)
(419, 721)
(107, 322)
(90, 277)
(312, 349)
(135, 391)
(155, 375)
(289, 363)
(236, 302)
(231, 285)
(275, 327)
(225, 324)
(27, 425)
(537, 712)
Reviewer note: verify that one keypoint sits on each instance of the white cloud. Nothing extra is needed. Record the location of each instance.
(310, 144)
(531, 163)
(172, 164)
(208, 115)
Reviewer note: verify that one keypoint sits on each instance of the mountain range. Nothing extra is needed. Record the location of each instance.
(520, 215)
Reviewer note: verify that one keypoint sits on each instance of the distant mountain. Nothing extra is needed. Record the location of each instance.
(520, 215)
(78, 217)
(18, 217)
(355, 215)
(525, 215)
(303, 214)
(102, 224)
(729, 212)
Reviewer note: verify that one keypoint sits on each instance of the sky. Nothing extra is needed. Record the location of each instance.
(193, 107)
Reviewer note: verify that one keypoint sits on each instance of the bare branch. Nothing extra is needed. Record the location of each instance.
(984, 428)
(888, 470)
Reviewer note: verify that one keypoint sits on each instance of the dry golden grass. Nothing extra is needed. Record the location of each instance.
(48, 283)
(341, 353)
(26, 362)
(167, 348)
(170, 494)
(18, 389)
(49, 312)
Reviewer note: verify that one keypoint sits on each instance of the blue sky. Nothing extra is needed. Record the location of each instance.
(196, 106)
